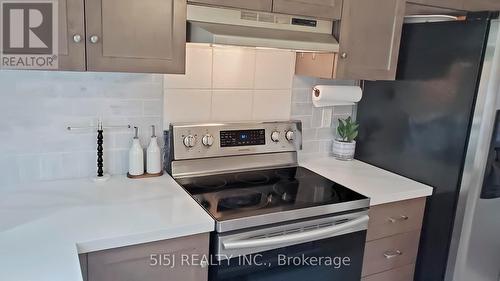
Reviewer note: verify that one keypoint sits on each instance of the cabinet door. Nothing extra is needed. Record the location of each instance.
(370, 35)
(71, 35)
(451, 4)
(258, 5)
(136, 36)
(329, 9)
(482, 5)
(152, 261)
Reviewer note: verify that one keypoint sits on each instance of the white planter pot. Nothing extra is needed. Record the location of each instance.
(343, 150)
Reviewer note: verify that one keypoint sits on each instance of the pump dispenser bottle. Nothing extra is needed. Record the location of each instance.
(153, 157)
(136, 156)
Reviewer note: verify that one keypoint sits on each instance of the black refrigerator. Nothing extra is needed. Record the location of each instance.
(419, 125)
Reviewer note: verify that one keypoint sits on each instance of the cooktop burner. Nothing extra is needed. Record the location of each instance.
(247, 194)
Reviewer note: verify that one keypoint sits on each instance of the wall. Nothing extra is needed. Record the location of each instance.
(222, 84)
(317, 138)
(36, 107)
(240, 84)
(230, 84)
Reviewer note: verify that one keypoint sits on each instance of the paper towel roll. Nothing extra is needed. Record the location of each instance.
(324, 95)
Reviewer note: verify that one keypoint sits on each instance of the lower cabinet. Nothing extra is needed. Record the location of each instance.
(175, 259)
(392, 241)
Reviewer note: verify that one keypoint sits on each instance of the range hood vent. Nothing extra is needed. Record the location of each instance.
(258, 29)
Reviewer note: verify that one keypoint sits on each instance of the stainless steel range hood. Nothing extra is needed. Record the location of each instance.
(259, 29)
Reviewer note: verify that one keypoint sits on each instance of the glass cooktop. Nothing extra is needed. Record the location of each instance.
(237, 195)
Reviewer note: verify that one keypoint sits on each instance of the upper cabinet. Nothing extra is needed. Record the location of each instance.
(466, 5)
(451, 4)
(482, 5)
(328, 9)
(258, 5)
(136, 36)
(370, 35)
(146, 36)
(71, 35)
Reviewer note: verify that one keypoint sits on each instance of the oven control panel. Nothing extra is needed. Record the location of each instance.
(242, 137)
(193, 141)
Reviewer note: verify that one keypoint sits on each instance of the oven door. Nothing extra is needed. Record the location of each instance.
(322, 249)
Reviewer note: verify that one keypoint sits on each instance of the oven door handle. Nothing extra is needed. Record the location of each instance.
(300, 237)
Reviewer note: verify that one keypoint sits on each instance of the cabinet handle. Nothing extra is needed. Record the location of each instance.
(343, 55)
(392, 254)
(94, 39)
(400, 218)
(77, 38)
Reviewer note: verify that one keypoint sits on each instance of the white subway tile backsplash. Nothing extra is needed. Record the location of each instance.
(316, 138)
(301, 95)
(326, 133)
(310, 147)
(37, 107)
(343, 110)
(187, 106)
(198, 70)
(28, 166)
(232, 105)
(233, 68)
(300, 109)
(271, 105)
(274, 69)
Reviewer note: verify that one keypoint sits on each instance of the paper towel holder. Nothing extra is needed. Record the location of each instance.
(316, 92)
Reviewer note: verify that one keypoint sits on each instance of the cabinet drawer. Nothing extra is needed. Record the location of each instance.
(391, 252)
(404, 273)
(395, 218)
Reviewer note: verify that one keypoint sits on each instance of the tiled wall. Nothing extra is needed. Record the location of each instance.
(36, 107)
(222, 84)
(317, 139)
(230, 84)
(239, 84)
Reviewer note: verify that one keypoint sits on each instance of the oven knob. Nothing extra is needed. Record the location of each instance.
(207, 140)
(290, 135)
(189, 141)
(275, 136)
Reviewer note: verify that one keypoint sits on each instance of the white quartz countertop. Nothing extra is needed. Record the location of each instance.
(44, 226)
(379, 185)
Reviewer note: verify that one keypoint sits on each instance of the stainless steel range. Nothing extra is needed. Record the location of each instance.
(265, 205)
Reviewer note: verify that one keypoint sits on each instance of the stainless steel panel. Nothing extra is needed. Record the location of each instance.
(210, 166)
(475, 246)
(180, 131)
(273, 218)
(222, 253)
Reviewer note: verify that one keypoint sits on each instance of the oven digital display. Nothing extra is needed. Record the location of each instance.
(242, 137)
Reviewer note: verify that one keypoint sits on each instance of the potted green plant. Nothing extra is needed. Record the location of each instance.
(345, 145)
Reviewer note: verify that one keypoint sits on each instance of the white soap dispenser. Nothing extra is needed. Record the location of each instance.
(136, 156)
(153, 157)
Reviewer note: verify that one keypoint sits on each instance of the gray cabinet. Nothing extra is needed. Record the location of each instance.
(482, 5)
(152, 261)
(451, 4)
(71, 35)
(370, 35)
(329, 9)
(258, 5)
(136, 36)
